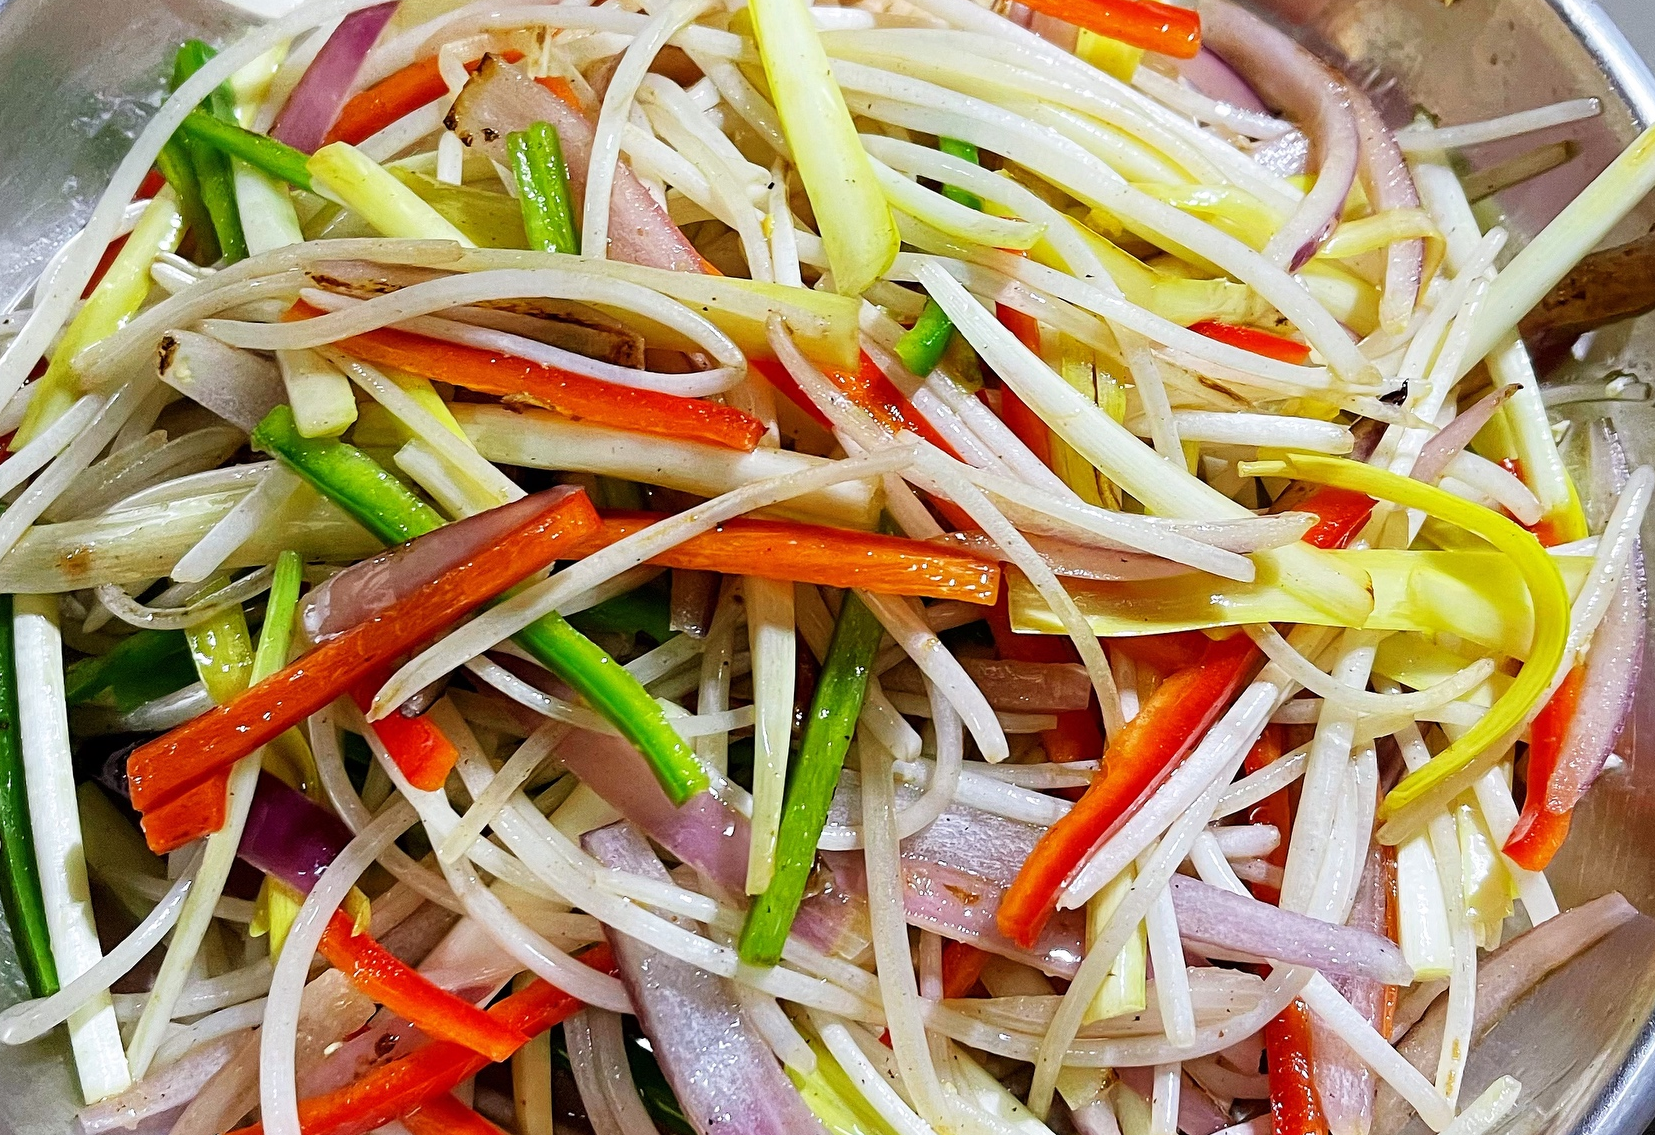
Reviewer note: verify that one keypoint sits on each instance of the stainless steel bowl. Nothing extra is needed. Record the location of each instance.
(79, 77)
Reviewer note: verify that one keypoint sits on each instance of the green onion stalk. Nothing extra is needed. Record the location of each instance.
(20, 894)
(543, 188)
(834, 709)
(921, 348)
(212, 168)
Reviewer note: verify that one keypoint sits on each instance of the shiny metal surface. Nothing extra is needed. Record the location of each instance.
(78, 77)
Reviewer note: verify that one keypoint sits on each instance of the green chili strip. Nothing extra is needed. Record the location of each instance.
(260, 151)
(955, 148)
(175, 165)
(921, 346)
(384, 506)
(276, 636)
(642, 610)
(20, 895)
(212, 168)
(543, 188)
(142, 667)
(353, 480)
(812, 779)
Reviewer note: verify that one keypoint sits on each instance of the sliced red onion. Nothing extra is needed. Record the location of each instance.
(1447, 443)
(500, 99)
(1197, 1113)
(363, 590)
(1504, 977)
(704, 832)
(315, 102)
(1389, 186)
(1343, 1080)
(239, 386)
(1317, 99)
(724, 1075)
(1613, 663)
(1221, 923)
(289, 836)
(1208, 73)
(1012, 686)
(155, 1101)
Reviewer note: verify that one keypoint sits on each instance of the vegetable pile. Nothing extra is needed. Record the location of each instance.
(877, 569)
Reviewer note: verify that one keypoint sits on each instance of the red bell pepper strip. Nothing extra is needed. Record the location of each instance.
(1141, 23)
(370, 111)
(445, 1115)
(439, 1014)
(1139, 757)
(421, 750)
(1164, 653)
(1275, 809)
(1020, 420)
(1277, 347)
(1541, 831)
(962, 965)
(1295, 1108)
(566, 393)
(392, 1090)
(810, 553)
(161, 770)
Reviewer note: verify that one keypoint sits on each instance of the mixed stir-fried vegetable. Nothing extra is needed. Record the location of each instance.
(767, 568)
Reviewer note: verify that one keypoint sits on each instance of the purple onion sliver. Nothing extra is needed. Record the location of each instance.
(1318, 101)
(290, 836)
(724, 1075)
(1197, 1114)
(1447, 443)
(1343, 1081)
(1613, 663)
(1241, 925)
(364, 589)
(1208, 73)
(320, 93)
(1390, 186)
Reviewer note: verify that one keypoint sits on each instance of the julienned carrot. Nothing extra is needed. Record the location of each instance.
(962, 965)
(370, 111)
(442, 1114)
(1252, 339)
(1295, 1108)
(422, 752)
(572, 395)
(440, 1014)
(197, 811)
(392, 1090)
(1138, 758)
(1540, 831)
(1164, 28)
(1275, 809)
(811, 553)
(162, 769)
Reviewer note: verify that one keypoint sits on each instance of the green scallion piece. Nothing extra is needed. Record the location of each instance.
(212, 168)
(921, 346)
(543, 188)
(260, 151)
(955, 148)
(349, 477)
(141, 667)
(384, 506)
(813, 778)
(20, 895)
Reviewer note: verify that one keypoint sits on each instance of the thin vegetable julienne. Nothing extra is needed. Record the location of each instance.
(20, 894)
(383, 505)
(815, 774)
(543, 188)
(922, 346)
(170, 767)
(212, 168)
(140, 668)
(261, 151)
(955, 148)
